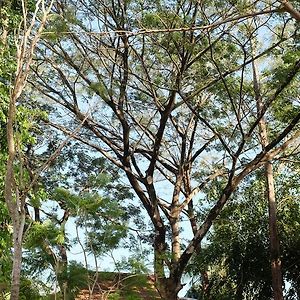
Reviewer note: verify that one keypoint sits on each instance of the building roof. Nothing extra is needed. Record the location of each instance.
(121, 286)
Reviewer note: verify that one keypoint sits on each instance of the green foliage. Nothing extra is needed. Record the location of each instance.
(27, 119)
(152, 20)
(11, 13)
(96, 211)
(135, 264)
(286, 105)
(87, 190)
(38, 197)
(29, 290)
(114, 296)
(58, 26)
(9, 21)
(105, 223)
(100, 89)
(236, 256)
(96, 202)
(5, 241)
(289, 58)
(76, 277)
(41, 232)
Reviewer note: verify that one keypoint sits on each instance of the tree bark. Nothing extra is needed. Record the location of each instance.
(288, 7)
(13, 201)
(62, 265)
(18, 227)
(270, 189)
(169, 287)
(274, 239)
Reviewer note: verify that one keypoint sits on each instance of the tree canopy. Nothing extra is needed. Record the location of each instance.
(172, 106)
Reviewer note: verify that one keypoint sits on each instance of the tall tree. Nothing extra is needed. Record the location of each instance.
(277, 281)
(14, 191)
(236, 253)
(163, 87)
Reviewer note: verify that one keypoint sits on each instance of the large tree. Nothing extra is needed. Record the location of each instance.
(21, 25)
(162, 89)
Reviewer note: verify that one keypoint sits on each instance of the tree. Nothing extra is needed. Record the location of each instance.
(270, 193)
(14, 191)
(94, 207)
(10, 18)
(166, 92)
(236, 254)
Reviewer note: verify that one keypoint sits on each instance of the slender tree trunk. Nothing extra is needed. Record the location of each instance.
(273, 232)
(240, 285)
(18, 227)
(16, 272)
(62, 262)
(13, 201)
(274, 239)
(62, 275)
(194, 226)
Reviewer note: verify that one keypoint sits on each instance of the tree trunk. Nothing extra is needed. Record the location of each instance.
(175, 228)
(18, 227)
(274, 239)
(25, 44)
(13, 202)
(64, 272)
(16, 272)
(169, 288)
(240, 286)
(273, 232)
